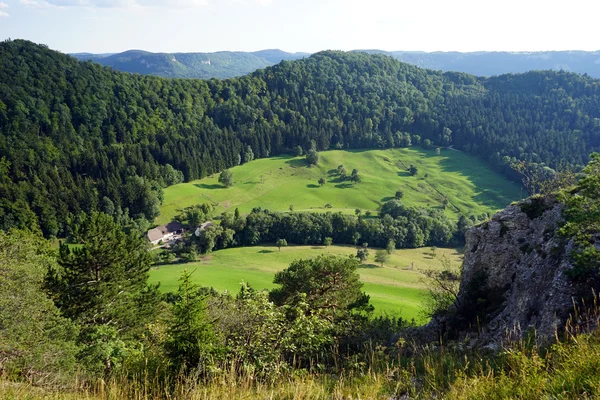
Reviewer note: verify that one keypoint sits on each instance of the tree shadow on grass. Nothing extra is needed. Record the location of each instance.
(388, 198)
(404, 173)
(344, 185)
(209, 186)
(266, 251)
(297, 163)
(312, 186)
(368, 266)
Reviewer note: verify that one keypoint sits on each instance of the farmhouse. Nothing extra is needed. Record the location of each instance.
(164, 233)
(203, 227)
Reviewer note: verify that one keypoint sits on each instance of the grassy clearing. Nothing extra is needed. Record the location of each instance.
(395, 289)
(278, 182)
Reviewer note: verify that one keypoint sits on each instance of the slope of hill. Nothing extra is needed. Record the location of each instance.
(275, 183)
(223, 64)
(77, 137)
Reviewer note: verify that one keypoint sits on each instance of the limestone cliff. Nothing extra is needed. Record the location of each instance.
(514, 280)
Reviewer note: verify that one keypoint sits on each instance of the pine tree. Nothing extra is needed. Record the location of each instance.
(190, 335)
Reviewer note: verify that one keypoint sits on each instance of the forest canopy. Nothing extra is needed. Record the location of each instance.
(76, 137)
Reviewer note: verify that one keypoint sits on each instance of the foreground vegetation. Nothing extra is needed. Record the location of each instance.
(396, 288)
(84, 322)
(276, 183)
(566, 370)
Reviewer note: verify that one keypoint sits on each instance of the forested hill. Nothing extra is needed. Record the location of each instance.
(222, 64)
(76, 136)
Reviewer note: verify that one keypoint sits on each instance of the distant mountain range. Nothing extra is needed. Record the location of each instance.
(222, 64)
(227, 64)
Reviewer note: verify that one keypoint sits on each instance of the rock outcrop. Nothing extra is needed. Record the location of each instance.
(514, 279)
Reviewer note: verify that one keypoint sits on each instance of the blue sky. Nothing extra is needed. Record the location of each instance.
(303, 25)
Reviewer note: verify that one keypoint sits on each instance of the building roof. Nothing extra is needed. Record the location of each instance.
(161, 231)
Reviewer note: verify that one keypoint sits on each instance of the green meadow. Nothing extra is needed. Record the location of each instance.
(397, 288)
(276, 183)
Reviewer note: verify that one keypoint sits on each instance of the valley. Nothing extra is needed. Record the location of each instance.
(398, 288)
(277, 183)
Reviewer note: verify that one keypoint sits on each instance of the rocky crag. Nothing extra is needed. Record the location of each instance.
(514, 280)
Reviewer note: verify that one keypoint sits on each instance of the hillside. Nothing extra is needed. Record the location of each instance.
(275, 183)
(398, 288)
(77, 137)
(223, 64)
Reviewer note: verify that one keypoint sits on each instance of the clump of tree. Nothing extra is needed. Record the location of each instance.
(281, 243)
(540, 179)
(443, 286)
(226, 178)
(312, 157)
(582, 216)
(37, 342)
(382, 256)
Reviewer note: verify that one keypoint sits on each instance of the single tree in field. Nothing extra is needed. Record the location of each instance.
(281, 243)
(355, 238)
(437, 151)
(248, 154)
(368, 213)
(321, 181)
(362, 254)
(399, 194)
(330, 285)
(391, 246)
(226, 178)
(327, 241)
(358, 211)
(297, 151)
(413, 170)
(312, 157)
(381, 256)
(433, 251)
(291, 207)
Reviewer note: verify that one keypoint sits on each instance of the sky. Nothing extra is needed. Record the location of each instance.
(109, 26)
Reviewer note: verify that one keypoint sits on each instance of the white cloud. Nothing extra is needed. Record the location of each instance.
(3, 5)
(114, 3)
(3, 14)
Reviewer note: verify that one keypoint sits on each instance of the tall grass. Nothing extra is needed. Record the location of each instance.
(567, 369)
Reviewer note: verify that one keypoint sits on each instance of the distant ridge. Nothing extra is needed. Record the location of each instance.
(222, 64)
(228, 64)
(490, 63)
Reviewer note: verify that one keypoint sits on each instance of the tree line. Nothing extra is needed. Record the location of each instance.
(397, 226)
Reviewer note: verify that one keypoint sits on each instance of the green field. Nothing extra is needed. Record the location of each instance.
(395, 289)
(278, 182)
